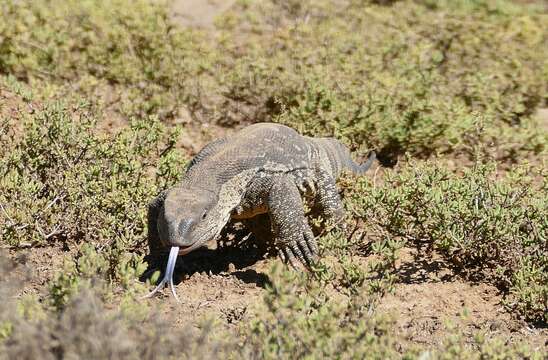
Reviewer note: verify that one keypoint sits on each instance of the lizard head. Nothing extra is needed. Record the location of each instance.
(187, 218)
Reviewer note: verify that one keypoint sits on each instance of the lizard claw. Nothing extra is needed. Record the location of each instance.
(287, 257)
(306, 186)
(301, 187)
(310, 185)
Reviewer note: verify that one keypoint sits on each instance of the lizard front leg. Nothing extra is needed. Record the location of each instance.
(292, 234)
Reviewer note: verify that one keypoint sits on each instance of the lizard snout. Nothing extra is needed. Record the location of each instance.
(180, 234)
(184, 228)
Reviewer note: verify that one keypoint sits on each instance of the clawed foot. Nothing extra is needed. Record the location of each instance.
(299, 247)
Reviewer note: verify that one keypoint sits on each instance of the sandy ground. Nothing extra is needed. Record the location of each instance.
(226, 285)
(199, 13)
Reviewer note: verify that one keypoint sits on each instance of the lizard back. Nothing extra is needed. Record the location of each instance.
(259, 147)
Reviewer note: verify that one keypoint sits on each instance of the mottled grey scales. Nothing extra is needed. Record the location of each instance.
(263, 169)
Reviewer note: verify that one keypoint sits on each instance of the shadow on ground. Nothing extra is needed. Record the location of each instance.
(234, 260)
(424, 269)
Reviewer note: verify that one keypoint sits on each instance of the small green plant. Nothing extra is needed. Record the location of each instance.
(455, 346)
(85, 328)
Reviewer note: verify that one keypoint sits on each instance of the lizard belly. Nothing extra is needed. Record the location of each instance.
(246, 213)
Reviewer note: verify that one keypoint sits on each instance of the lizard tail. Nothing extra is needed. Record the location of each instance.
(340, 158)
(360, 169)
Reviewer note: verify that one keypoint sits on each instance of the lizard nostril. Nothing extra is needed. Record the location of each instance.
(184, 227)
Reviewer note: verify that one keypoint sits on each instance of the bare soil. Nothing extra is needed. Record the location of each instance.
(430, 300)
(199, 13)
(226, 284)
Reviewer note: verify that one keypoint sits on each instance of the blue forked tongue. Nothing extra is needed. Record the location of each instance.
(168, 276)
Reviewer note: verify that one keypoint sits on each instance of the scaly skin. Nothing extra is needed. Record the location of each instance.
(263, 169)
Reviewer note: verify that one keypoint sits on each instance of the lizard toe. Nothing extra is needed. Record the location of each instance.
(310, 185)
(310, 242)
(289, 258)
(282, 255)
(297, 252)
(308, 254)
(301, 187)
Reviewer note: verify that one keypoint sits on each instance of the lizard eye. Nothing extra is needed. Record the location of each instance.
(204, 215)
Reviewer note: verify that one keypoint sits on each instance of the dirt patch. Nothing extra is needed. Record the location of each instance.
(542, 116)
(226, 297)
(14, 109)
(425, 311)
(198, 13)
(430, 300)
(215, 283)
(11, 106)
(39, 267)
(196, 135)
(226, 285)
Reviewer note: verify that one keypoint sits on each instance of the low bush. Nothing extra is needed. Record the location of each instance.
(415, 76)
(87, 328)
(126, 53)
(488, 228)
(61, 181)
(302, 318)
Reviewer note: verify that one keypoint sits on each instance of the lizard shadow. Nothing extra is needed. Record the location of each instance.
(231, 260)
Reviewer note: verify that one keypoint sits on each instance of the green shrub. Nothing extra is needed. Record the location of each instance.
(487, 227)
(86, 329)
(126, 51)
(300, 319)
(415, 76)
(88, 325)
(62, 181)
(455, 346)
(411, 77)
